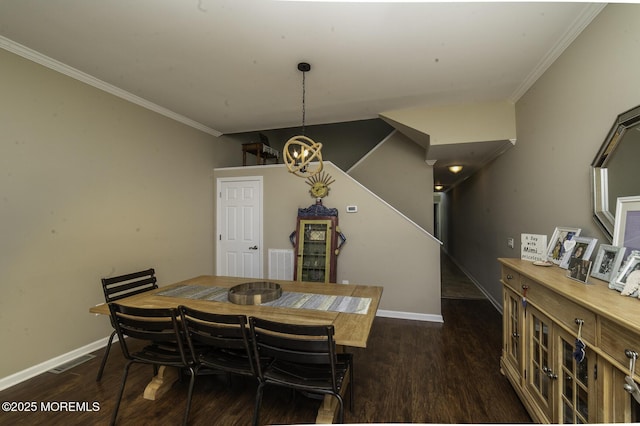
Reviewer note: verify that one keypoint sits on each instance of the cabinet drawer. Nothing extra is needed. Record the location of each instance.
(614, 339)
(511, 279)
(561, 309)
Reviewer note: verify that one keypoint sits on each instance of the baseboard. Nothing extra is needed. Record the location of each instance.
(21, 376)
(410, 316)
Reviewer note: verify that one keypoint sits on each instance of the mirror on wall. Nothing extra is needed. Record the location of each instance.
(615, 169)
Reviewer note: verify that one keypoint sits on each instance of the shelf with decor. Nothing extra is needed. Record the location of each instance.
(317, 241)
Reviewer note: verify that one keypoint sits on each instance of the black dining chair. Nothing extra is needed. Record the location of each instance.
(303, 357)
(218, 343)
(116, 288)
(162, 333)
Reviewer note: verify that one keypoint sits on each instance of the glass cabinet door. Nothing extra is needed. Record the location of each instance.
(540, 376)
(513, 327)
(314, 248)
(577, 393)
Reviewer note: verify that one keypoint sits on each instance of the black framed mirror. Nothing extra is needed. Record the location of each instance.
(615, 169)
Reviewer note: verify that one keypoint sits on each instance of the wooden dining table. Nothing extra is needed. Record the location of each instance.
(349, 308)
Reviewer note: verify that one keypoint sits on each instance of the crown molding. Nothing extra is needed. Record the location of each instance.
(51, 63)
(589, 12)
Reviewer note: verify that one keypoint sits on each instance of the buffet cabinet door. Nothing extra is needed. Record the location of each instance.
(512, 335)
(540, 376)
(576, 381)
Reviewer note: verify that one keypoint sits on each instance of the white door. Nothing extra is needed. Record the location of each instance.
(239, 227)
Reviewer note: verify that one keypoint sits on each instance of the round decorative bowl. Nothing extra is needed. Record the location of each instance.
(254, 293)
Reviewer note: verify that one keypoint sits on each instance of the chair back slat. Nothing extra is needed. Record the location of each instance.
(129, 277)
(116, 288)
(294, 349)
(154, 336)
(215, 336)
(157, 331)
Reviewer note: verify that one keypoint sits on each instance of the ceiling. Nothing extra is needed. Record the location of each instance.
(228, 66)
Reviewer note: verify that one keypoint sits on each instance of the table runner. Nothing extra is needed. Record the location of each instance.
(289, 299)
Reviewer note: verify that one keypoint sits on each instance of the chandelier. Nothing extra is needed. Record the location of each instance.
(300, 151)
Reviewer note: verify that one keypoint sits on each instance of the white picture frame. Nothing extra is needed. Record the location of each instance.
(620, 283)
(555, 249)
(607, 263)
(626, 231)
(582, 249)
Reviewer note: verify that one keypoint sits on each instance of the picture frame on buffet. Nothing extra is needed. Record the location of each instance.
(607, 263)
(581, 248)
(627, 282)
(556, 247)
(579, 269)
(626, 231)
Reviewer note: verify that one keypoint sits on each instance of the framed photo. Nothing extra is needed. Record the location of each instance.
(556, 249)
(626, 232)
(581, 248)
(607, 263)
(628, 279)
(579, 269)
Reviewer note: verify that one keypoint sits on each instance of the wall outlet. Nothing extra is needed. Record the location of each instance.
(345, 281)
(510, 242)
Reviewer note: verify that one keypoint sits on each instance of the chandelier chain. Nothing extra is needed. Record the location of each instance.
(304, 90)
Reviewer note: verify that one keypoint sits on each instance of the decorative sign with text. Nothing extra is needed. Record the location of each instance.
(533, 247)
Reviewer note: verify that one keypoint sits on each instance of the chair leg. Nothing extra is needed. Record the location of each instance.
(256, 412)
(351, 384)
(106, 355)
(192, 381)
(124, 381)
(340, 408)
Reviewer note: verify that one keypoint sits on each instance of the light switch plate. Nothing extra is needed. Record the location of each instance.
(352, 209)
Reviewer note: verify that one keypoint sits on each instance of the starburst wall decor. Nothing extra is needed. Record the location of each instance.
(319, 184)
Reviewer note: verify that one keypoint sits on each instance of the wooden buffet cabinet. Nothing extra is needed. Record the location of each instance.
(543, 313)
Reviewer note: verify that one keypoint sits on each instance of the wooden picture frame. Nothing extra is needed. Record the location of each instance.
(632, 264)
(582, 249)
(555, 249)
(626, 232)
(607, 263)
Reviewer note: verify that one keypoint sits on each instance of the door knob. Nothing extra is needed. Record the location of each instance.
(253, 248)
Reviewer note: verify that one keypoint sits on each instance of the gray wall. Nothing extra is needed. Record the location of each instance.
(91, 186)
(544, 181)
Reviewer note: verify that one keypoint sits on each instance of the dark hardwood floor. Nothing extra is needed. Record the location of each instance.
(411, 372)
